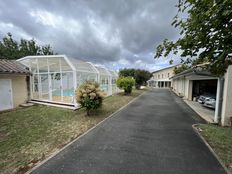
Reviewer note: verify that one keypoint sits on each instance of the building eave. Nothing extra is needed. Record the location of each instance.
(15, 73)
(193, 71)
(166, 68)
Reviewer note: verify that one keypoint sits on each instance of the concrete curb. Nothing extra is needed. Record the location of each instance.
(37, 165)
(194, 126)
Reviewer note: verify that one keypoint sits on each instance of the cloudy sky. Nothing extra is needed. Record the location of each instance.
(113, 33)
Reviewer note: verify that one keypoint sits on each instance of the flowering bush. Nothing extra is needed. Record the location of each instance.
(90, 96)
(126, 83)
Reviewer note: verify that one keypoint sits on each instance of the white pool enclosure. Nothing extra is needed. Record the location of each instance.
(55, 78)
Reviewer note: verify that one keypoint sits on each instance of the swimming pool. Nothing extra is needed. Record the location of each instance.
(68, 93)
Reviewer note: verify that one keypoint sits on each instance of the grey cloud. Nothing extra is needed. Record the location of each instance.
(16, 13)
(138, 26)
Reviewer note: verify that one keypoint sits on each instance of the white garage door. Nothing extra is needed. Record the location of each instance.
(5, 94)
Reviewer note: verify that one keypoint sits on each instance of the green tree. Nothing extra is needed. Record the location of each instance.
(127, 72)
(206, 33)
(9, 47)
(180, 69)
(126, 83)
(28, 47)
(47, 50)
(12, 49)
(140, 76)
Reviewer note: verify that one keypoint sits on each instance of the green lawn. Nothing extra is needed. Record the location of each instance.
(220, 139)
(31, 134)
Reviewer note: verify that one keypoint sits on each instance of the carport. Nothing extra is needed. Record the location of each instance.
(207, 86)
(197, 81)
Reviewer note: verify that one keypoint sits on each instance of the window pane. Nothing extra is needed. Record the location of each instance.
(35, 87)
(64, 65)
(68, 88)
(44, 86)
(43, 65)
(54, 64)
(56, 86)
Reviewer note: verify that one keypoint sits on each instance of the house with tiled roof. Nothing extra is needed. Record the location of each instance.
(14, 84)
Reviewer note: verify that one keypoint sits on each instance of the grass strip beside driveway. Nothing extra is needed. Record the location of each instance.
(220, 139)
(32, 134)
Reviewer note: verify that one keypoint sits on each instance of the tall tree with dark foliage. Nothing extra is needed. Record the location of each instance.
(206, 33)
(12, 49)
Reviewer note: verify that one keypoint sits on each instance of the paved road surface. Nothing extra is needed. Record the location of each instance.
(153, 135)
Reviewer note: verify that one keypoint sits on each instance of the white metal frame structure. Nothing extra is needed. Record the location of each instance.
(55, 78)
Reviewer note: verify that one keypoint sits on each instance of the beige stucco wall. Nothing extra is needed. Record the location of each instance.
(183, 87)
(227, 98)
(178, 86)
(19, 88)
(186, 88)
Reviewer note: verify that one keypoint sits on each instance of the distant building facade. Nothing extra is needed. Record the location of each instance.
(161, 78)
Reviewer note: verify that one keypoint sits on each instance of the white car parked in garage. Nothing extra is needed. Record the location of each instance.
(210, 103)
(208, 100)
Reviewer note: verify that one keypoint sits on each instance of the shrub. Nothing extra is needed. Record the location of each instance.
(141, 76)
(90, 96)
(126, 83)
(180, 69)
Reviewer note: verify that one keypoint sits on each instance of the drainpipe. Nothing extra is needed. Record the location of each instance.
(219, 100)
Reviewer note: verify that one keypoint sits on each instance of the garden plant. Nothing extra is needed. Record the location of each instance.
(126, 83)
(90, 96)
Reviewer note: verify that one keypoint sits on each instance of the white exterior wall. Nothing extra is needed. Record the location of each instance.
(178, 89)
(174, 85)
(182, 87)
(186, 88)
(190, 89)
(227, 98)
(19, 88)
(163, 75)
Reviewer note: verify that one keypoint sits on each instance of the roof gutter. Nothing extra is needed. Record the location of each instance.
(192, 72)
(16, 73)
(188, 72)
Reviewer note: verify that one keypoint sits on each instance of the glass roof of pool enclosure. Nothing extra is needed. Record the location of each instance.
(55, 77)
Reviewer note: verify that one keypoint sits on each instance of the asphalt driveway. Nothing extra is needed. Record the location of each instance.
(152, 135)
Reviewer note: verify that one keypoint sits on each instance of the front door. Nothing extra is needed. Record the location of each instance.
(5, 94)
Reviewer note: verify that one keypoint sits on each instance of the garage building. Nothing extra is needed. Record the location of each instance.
(197, 81)
(13, 84)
